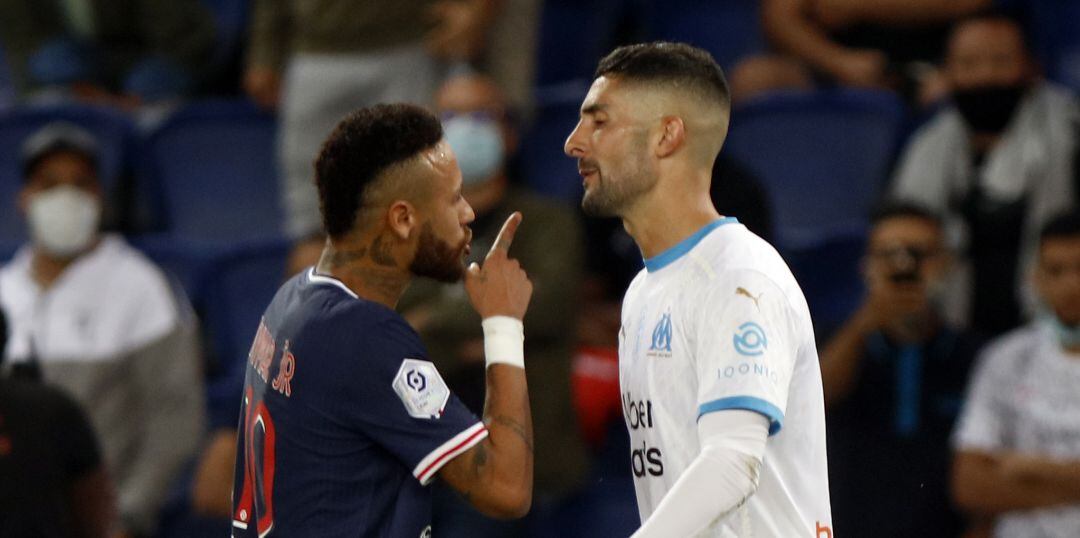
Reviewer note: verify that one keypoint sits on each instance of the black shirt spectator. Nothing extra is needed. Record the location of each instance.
(888, 451)
(51, 478)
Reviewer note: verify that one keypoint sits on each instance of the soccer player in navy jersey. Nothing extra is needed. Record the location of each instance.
(345, 420)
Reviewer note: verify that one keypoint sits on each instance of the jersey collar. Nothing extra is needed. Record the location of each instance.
(316, 278)
(669, 256)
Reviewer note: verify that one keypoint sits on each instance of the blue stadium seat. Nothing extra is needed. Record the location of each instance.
(236, 290)
(546, 168)
(828, 271)
(574, 35)
(1053, 31)
(186, 262)
(823, 157)
(211, 167)
(114, 132)
(729, 29)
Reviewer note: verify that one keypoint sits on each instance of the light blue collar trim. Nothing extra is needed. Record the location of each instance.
(669, 256)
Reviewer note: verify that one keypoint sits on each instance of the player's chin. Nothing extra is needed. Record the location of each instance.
(594, 204)
(449, 274)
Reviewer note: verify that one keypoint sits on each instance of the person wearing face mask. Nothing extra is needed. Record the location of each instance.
(99, 320)
(1017, 443)
(477, 127)
(893, 377)
(997, 162)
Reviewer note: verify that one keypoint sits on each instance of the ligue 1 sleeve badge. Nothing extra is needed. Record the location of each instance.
(421, 389)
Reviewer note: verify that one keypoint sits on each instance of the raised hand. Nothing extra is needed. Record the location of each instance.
(500, 287)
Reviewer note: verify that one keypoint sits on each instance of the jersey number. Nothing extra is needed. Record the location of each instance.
(256, 497)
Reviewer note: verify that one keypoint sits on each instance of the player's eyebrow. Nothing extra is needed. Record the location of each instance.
(593, 109)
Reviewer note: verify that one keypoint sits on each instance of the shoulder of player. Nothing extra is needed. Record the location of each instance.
(737, 247)
(367, 321)
(754, 281)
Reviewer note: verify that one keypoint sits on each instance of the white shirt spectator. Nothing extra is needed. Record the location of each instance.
(1025, 397)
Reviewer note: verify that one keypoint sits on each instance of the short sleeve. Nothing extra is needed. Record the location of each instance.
(985, 421)
(401, 402)
(745, 350)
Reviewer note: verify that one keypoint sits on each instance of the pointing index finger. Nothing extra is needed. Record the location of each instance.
(506, 234)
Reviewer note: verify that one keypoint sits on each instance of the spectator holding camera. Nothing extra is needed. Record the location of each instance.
(893, 378)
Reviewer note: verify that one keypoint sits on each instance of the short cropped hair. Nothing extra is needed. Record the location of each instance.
(903, 209)
(675, 64)
(362, 146)
(1066, 225)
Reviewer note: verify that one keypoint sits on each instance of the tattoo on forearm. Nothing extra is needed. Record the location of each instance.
(515, 427)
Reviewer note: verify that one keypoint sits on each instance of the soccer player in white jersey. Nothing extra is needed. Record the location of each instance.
(718, 367)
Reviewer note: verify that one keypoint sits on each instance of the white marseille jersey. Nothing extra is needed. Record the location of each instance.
(718, 322)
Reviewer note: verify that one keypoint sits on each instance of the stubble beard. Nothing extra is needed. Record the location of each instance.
(438, 259)
(611, 199)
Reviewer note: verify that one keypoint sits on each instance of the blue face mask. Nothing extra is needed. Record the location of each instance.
(478, 144)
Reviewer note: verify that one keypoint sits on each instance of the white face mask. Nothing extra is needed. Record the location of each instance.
(64, 220)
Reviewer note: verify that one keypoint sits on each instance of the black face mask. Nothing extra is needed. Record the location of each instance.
(988, 109)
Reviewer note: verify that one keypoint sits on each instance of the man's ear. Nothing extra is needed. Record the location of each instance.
(672, 136)
(402, 219)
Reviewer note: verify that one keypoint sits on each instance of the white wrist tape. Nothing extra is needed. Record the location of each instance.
(504, 341)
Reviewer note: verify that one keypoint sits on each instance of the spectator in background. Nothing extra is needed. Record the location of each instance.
(893, 377)
(100, 321)
(863, 43)
(478, 129)
(123, 52)
(52, 480)
(997, 162)
(1018, 440)
(322, 59)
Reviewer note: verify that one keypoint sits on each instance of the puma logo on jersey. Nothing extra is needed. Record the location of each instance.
(742, 291)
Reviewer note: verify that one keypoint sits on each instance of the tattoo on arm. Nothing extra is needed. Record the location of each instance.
(480, 458)
(515, 427)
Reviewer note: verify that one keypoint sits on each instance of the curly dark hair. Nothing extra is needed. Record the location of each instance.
(363, 145)
(675, 64)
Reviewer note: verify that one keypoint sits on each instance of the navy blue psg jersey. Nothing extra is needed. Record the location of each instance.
(345, 421)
